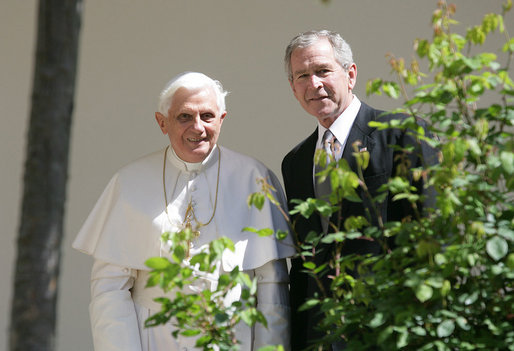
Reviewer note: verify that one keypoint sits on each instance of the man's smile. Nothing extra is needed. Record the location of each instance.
(319, 98)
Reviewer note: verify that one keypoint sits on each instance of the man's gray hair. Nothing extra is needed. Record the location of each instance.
(342, 51)
(190, 81)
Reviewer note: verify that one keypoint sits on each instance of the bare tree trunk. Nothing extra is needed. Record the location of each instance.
(33, 312)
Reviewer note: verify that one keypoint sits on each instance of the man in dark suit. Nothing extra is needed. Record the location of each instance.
(322, 75)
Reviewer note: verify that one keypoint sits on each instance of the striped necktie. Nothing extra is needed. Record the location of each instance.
(333, 149)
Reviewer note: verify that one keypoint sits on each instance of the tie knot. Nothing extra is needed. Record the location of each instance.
(331, 145)
(328, 135)
(328, 139)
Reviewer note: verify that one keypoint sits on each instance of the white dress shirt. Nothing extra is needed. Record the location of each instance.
(341, 126)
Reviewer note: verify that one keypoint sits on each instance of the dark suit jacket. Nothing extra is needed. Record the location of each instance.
(297, 170)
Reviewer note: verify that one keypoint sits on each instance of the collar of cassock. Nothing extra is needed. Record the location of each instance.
(192, 167)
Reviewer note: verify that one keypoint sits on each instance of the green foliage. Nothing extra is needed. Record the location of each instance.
(447, 283)
(206, 315)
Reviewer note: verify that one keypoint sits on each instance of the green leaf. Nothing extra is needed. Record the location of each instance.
(378, 125)
(474, 147)
(355, 223)
(271, 348)
(403, 338)
(281, 234)
(312, 237)
(510, 261)
(309, 265)
(497, 248)
(463, 323)
(509, 46)
(224, 280)
(435, 282)
(468, 298)
(419, 331)
(380, 197)
(373, 87)
(385, 334)
(305, 208)
(250, 229)
(425, 247)
(392, 89)
(190, 332)
(440, 259)
(157, 263)
(490, 22)
(507, 6)
(424, 292)
(377, 321)
(216, 248)
(179, 253)
(446, 328)
(323, 207)
(249, 316)
(446, 287)
(221, 318)
(264, 232)
(330, 238)
(309, 304)
(507, 159)
(506, 233)
(362, 159)
(257, 200)
(203, 340)
(153, 280)
(422, 46)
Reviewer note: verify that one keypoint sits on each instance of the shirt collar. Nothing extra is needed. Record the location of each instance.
(192, 167)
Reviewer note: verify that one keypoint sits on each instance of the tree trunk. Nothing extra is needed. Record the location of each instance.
(33, 311)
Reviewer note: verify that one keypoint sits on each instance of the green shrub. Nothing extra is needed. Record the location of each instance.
(447, 282)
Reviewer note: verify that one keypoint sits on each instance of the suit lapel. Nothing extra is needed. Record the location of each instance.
(304, 187)
(360, 131)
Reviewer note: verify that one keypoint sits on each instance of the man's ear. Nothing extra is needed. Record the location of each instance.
(352, 76)
(223, 115)
(161, 121)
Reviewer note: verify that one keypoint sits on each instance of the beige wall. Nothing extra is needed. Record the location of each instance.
(129, 49)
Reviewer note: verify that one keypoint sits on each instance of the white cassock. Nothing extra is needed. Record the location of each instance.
(124, 229)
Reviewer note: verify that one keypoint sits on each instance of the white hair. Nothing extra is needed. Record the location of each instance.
(190, 81)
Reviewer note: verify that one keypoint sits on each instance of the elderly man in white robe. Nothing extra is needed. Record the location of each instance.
(191, 182)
